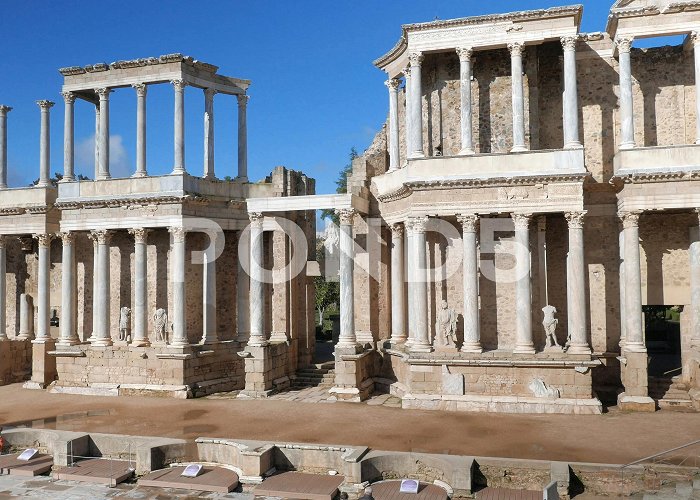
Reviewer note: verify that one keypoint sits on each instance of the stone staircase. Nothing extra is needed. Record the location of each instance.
(316, 375)
(670, 393)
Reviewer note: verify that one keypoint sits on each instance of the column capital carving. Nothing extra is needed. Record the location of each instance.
(695, 37)
(243, 100)
(415, 58)
(45, 105)
(417, 224)
(3, 240)
(575, 219)
(397, 230)
(392, 84)
(141, 89)
(624, 43)
(68, 97)
(542, 223)
(470, 222)
(629, 219)
(178, 234)
(209, 93)
(67, 237)
(516, 48)
(140, 234)
(179, 84)
(4, 109)
(465, 53)
(569, 42)
(103, 92)
(346, 215)
(521, 221)
(44, 239)
(256, 219)
(102, 236)
(406, 71)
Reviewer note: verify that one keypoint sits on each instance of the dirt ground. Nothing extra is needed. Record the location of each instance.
(614, 437)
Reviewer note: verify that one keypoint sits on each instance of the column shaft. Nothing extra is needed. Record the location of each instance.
(347, 336)
(43, 312)
(68, 137)
(209, 134)
(140, 288)
(516, 69)
(623, 300)
(97, 142)
(257, 295)
(3, 145)
(69, 335)
(696, 52)
(523, 293)
(177, 277)
(398, 300)
(634, 329)
(243, 138)
(419, 326)
(408, 125)
(576, 284)
(45, 144)
(179, 127)
(471, 284)
(3, 287)
(394, 160)
(209, 294)
(141, 90)
(465, 79)
(416, 107)
(103, 170)
(695, 287)
(242, 293)
(102, 328)
(624, 46)
(571, 132)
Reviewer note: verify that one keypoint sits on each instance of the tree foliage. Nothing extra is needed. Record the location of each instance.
(341, 184)
(57, 177)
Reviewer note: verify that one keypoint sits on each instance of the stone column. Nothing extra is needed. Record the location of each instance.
(634, 329)
(242, 296)
(470, 225)
(623, 300)
(102, 328)
(407, 115)
(624, 46)
(3, 144)
(141, 90)
(347, 336)
(257, 295)
(26, 317)
(177, 278)
(695, 288)
(516, 69)
(576, 284)
(45, 145)
(103, 170)
(209, 295)
(179, 126)
(44, 269)
(242, 138)
(209, 134)
(140, 288)
(416, 106)
(571, 133)
(97, 142)
(3, 287)
(95, 285)
(398, 300)
(393, 86)
(69, 335)
(523, 294)
(695, 37)
(465, 82)
(68, 133)
(418, 327)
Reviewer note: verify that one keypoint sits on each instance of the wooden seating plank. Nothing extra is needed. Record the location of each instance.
(96, 470)
(40, 464)
(300, 485)
(212, 479)
(390, 490)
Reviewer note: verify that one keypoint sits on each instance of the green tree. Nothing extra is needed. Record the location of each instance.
(341, 184)
(327, 292)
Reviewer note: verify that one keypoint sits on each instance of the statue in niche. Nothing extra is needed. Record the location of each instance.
(550, 327)
(160, 320)
(53, 321)
(125, 324)
(541, 390)
(446, 326)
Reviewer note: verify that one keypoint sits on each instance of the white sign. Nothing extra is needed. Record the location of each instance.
(192, 470)
(27, 454)
(409, 486)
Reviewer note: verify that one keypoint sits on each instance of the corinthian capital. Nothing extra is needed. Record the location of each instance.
(393, 84)
(417, 224)
(256, 219)
(4, 109)
(209, 93)
(569, 42)
(629, 219)
(624, 43)
(575, 219)
(179, 85)
(415, 58)
(67, 237)
(68, 97)
(521, 221)
(141, 89)
(470, 222)
(45, 105)
(346, 216)
(103, 92)
(44, 239)
(465, 53)
(178, 234)
(243, 100)
(140, 234)
(397, 230)
(102, 236)
(695, 37)
(516, 48)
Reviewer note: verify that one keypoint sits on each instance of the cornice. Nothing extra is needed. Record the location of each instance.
(131, 202)
(655, 176)
(620, 11)
(135, 63)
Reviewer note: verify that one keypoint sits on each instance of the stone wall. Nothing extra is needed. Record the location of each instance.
(15, 361)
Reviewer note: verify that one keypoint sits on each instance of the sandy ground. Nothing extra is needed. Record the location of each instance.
(614, 437)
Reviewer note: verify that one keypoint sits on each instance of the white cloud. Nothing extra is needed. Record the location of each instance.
(119, 160)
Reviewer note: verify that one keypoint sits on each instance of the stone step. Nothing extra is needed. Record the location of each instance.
(676, 404)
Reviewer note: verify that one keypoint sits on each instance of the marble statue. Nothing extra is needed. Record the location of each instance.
(446, 326)
(160, 319)
(331, 238)
(541, 390)
(550, 326)
(125, 324)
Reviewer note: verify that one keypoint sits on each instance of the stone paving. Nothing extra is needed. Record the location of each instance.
(316, 395)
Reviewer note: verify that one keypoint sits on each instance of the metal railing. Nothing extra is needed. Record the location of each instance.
(112, 459)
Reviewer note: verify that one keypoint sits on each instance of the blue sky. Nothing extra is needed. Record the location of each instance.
(315, 93)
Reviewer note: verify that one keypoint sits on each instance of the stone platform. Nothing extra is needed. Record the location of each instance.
(299, 485)
(38, 465)
(213, 479)
(96, 470)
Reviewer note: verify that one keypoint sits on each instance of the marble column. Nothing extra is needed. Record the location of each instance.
(95, 285)
(3, 287)
(571, 132)
(140, 312)
(465, 82)
(141, 90)
(623, 300)
(398, 300)
(3, 144)
(470, 226)
(416, 106)
(102, 328)
(69, 334)
(523, 293)
(410, 283)
(209, 134)
(179, 126)
(68, 136)
(516, 69)
(407, 115)
(634, 328)
(43, 307)
(695, 287)
(103, 170)
(178, 236)
(695, 37)
(242, 138)
(257, 287)
(420, 332)
(624, 47)
(242, 295)
(393, 85)
(45, 145)
(97, 142)
(576, 284)
(347, 336)
(209, 325)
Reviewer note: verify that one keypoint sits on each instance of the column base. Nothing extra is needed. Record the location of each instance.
(635, 403)
(178, 171)
(635, 347)
(25, 336)
(42, 340)
(421, 347)
(416, 154)
(67, 342)
(279, 337)
(140, 174)
(578, 349)
(141, 343)
(518, 149)
(103, 177)
(211, 177)
(347, 344)
(392, 169)
(627, 145)
(573, 145)
(102, 343)
(472, 347)
(398, 339)
(467, 151)
(524, 349)
(241, 178)
(179, 344)
(242, 337)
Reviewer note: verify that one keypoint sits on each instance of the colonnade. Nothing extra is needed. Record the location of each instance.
(414, 102)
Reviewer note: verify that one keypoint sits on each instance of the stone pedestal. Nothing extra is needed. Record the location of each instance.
(43, 364)
(265, 370)
(354, 371)
(633, 371)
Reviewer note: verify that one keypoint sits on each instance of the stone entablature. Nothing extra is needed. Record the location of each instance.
(650, 18)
